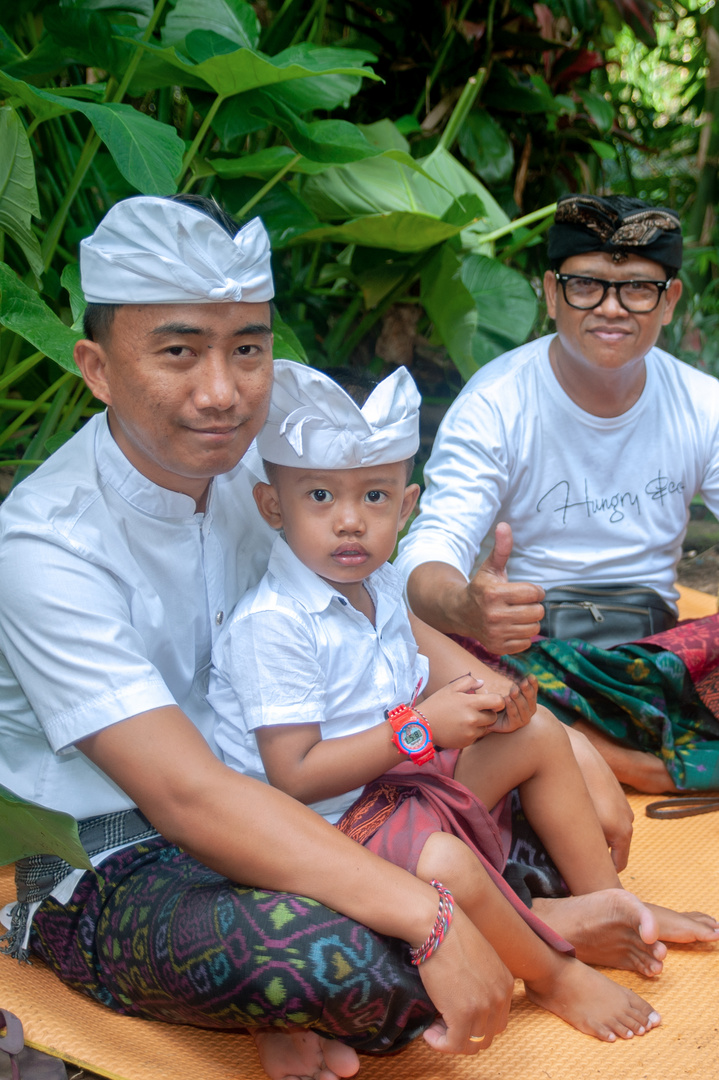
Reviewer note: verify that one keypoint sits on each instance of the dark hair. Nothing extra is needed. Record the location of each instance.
(98, 318)
(359, 384)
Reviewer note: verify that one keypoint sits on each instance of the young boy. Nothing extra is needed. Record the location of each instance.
(317, 673)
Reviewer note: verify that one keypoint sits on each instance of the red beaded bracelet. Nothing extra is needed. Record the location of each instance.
(441, 925)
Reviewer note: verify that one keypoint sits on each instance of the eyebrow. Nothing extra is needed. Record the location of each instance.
(188, 329)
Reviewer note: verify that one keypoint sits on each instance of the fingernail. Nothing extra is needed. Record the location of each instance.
(655, 1017)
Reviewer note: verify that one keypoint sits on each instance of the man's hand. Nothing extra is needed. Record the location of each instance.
(470, 987)
(459, 715)
(503, 615)
(520, 705)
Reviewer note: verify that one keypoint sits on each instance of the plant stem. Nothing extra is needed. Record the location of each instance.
(518, 223)
(459, 114)
(204, 128)
(58, 222)
(20, 369)
(27, 413)
(268, 186)
(133, 65)
(439, 63)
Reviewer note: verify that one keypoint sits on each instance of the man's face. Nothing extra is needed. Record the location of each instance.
(187, 385)
(608, 337)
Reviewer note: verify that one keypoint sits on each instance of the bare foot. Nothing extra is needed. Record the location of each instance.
(642, 771)
(303, 1055)
(592, 1003)
(684, 926)
(611, 928)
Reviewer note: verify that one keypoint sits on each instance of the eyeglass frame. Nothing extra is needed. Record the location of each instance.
(662, 286)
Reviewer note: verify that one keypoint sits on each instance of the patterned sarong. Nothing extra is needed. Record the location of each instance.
(660, 695)
(164, 938)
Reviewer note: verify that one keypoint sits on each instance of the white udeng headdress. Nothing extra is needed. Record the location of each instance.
(313, 423)
(149, 250)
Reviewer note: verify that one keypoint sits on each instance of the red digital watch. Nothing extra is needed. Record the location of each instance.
(412, 733)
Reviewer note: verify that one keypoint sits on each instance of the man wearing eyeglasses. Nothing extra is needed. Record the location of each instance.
(573, 459)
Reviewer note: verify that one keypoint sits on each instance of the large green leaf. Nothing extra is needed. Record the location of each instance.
(486, 145)
(451, 307)
(390, 181)
(265, 163)
(452, 176)
(233, 72)
(88, 37)
(506, 306)
(147, 152)
(399, 230)
(29, 829)
(24, 312)
(325, 91)
(70, 279)
(287, 346)
(329, 141)
(233, 19)
(600, 110)
(18, 193)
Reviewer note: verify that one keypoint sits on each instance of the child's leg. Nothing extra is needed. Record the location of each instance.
(538, 759)
(560, 983)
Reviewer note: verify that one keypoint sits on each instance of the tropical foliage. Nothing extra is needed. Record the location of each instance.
(404, 157)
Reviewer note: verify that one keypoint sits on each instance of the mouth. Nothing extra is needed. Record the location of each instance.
(610, 333)
(349, 555)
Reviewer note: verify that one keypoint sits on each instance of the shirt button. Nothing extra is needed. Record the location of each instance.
(219, 617)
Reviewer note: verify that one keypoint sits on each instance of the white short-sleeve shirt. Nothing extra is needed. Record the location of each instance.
(112, 590)
(296, 651)
(590, 499)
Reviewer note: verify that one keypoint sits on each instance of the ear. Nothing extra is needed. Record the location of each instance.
(411, 494)
(92, 360)
(268, 504)
(550, 293)
(672, 299)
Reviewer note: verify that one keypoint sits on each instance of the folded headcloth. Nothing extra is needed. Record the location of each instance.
(313, 423)
(618, 225)
(148, 250)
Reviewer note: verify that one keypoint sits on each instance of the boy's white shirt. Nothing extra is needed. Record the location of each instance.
(296, 651)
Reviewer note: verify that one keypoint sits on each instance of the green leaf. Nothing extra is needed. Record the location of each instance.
(505, 302)
(326, 91)
(287, 346)
(29, 829)
(42, 105)
(604, 150)
(385, 136)
(147, 153)
(264, 164)
(486, 145)
(140, 10)
(18, 192)
(331, 141)
(24, 312)
(451, 307)
(452, 176)
(233, 19)
(377, 272)
(87, 37)
(70, 280)
(399, 231)
(391, 181)
(600, 110)
(229, 74)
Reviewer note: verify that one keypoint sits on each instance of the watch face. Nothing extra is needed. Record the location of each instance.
(413, 737)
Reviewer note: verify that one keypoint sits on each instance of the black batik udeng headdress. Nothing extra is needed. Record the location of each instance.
(618, 225)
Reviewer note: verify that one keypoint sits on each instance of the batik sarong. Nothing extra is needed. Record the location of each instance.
(164, 938)
(659, 695)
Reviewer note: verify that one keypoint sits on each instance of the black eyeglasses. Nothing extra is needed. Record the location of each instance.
(586, 293)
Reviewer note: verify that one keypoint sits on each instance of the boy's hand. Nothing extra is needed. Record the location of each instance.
(520, 706)
(459, 716)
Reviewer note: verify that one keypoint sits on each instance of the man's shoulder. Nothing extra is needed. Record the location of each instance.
(510, 367)
(702, 386)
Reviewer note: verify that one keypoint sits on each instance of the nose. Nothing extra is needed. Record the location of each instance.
(611, 305)
(216, 386)
(348, 518)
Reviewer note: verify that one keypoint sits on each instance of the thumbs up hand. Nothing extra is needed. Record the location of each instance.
(503, 615)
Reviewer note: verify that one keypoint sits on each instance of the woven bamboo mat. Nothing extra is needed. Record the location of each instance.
(674, 862)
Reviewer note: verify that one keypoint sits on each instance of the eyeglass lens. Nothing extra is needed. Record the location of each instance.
(587, 292)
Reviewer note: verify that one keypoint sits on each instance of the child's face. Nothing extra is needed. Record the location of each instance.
(341, 523)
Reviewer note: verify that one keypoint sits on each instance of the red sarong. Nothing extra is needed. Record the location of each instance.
(397, 813)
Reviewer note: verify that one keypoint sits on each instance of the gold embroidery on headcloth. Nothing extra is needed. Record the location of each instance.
(635, 230)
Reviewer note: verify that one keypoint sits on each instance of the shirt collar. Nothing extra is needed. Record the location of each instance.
(315, 594)
(134, 487)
